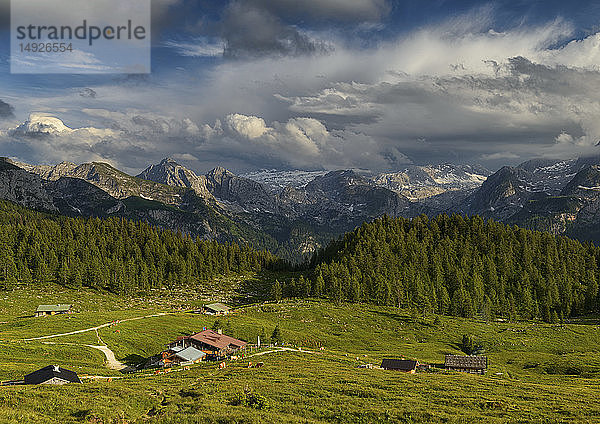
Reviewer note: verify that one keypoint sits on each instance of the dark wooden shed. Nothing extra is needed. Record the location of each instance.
(404, 365)
(472, 364)
(52, 374)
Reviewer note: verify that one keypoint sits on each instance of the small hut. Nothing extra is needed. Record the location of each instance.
(215, 344)
(473, 364)
(403, 365)
(52, 374)
(216, 309)
(45, 310)
(179, 355)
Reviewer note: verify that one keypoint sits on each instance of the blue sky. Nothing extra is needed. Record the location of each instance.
(372, 84)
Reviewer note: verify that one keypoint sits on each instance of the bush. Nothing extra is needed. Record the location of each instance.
(469, 345)
(250, 399)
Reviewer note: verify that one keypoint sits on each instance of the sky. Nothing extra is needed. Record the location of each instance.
(325, 84)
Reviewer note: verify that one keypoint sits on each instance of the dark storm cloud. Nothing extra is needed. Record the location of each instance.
(88, 92)
(267, 28)
(340, 10)
(250, 31)
(6, 110)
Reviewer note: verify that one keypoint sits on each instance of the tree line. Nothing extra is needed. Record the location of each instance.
(113, 254)
(457, 266)
(449, 265)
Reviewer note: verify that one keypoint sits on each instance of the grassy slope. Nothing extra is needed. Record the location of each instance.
(547, 372)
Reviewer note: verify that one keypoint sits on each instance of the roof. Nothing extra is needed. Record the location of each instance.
(470, 362)
(217, 307)
(48, 373)
(214, 339)
(53, 308)
(176, 348)
(399, 364)
(190, 354)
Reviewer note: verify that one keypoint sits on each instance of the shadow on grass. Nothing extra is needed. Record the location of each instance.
(83, 413)
(253, 290)
(134, 360)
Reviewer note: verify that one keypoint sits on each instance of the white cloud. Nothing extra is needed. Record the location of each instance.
(298, 143)
(126, 140)
(200, 47)
(563, 137)
(185, 157)
(250, 127)
(499, 155)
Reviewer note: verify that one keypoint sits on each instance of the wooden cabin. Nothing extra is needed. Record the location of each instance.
(214, 344)
(52, 374)
(404, 365)
(178, 355)
(472, 364)
(45, 310)
(216, 309)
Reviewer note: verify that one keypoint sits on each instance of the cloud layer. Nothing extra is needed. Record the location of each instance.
(458, 91)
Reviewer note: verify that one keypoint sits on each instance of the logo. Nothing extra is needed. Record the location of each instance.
(80, 36)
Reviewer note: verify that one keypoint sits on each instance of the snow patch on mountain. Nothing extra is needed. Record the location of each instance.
(421, 182)
(276, 180)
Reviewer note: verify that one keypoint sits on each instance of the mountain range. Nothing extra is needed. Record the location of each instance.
(293, 213)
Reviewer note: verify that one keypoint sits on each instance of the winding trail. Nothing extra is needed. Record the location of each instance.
(111, 361)
(108, 324)
(279, 349)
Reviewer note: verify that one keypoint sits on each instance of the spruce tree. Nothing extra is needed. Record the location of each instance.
(276, 291)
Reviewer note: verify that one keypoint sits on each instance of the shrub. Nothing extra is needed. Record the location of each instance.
(250, 399)
(469, 345)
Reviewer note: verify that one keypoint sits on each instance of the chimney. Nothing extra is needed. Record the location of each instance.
(220, 331)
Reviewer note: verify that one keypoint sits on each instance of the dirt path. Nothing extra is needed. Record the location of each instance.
(279, 349)
(111, 361)
(108, 324)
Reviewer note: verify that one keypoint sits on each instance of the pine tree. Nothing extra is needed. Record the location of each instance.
(304, 286)
(319, 285)
(276, 336)
(276, 291)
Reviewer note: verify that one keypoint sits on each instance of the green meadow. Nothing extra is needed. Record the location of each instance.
(538, 372)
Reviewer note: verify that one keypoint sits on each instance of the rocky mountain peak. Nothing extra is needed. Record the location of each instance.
(170, 173)
(219, 173)
(332, 181)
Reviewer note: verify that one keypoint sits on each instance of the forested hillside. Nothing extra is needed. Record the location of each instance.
(457, 266)
(448, 265)
(114, 254)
